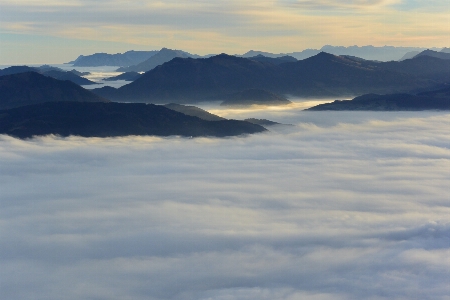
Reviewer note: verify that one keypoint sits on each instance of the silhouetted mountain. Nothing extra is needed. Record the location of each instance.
(109, 92)
(330, 75)
(128, 58)
(439, 93)
(46, 68)
(409, 55)
(17, 69)
(385, 53)
(441, 55)
(262, 122)
(275, 61)
(128, 76)
(48, 71)
(68, 76)
(253, 97)
(307, 53)
(422, 66)
(194, 111)
(113, 119)
(164, 55)
(253, 53)
(194, 80)
(30, 88)
(392, 102)
(80, 73)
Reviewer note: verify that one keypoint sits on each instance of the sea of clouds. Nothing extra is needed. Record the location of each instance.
(341, 205)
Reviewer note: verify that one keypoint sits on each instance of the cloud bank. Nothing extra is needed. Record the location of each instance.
(347, 208)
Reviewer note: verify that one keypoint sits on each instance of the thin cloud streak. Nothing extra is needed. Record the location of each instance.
(340, 206)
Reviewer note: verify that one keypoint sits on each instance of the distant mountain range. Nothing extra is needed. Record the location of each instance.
(113, 119)
(49, 71)
(385, 53)
(194, 80)
(128, 58)
(133, 59)
(30, 88)
(433, 100)
(162, 56)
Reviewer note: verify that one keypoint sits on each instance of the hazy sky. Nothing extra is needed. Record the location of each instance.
(343, 206)
(56, 31)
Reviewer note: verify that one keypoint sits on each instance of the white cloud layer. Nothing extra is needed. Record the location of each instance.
(342, 206)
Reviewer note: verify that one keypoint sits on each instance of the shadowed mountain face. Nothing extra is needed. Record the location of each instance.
(164, 55)
(273, 60)
(442, 55)
(128, 58)
(195, 80)
(193, 111)
(113, 119)
(423, 66)
(48, 71)
(68, 76)
(436, 100)
(30, 88)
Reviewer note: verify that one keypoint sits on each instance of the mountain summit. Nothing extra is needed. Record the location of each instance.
(164, 55)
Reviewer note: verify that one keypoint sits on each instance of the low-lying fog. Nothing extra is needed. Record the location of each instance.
(340, 206)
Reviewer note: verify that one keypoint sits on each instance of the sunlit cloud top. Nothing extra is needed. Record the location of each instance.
(219, 26)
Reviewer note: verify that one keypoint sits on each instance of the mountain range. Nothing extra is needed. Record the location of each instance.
(30, 88)
(48, 71)
(134, 58)
(323, 75)
(128, 58)
(385, 53)
(162, 56)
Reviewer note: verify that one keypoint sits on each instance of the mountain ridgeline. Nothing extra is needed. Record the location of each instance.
(187, 80)
(162, 56)
(88, 119)
(48, 71)
(432, 100)
(31, 88)
(128, 58)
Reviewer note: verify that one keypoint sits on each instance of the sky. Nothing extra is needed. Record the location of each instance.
(342, 205)
(57, 31)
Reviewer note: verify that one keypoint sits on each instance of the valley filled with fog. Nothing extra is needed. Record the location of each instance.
(337, 205)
